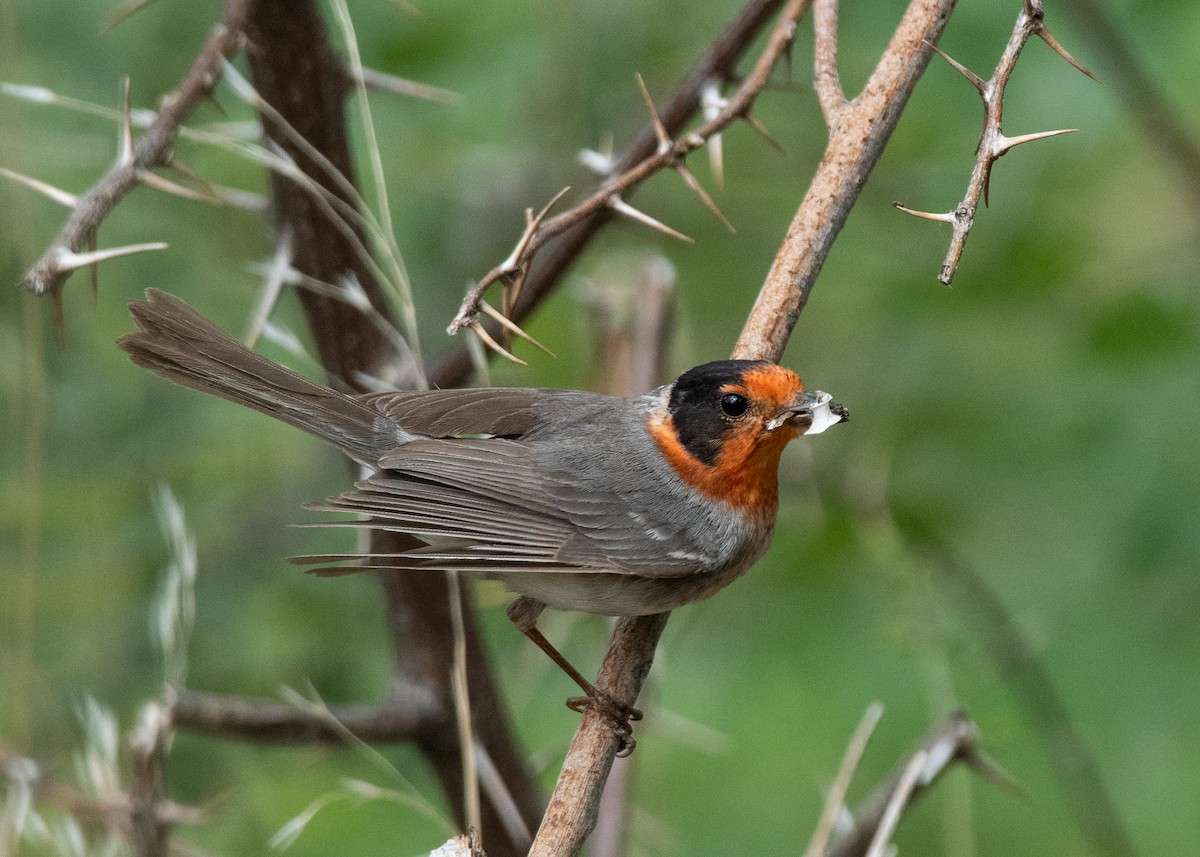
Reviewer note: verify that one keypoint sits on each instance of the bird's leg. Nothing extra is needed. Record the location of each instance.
(524, 613)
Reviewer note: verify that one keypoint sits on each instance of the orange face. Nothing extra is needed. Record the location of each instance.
(725, 428)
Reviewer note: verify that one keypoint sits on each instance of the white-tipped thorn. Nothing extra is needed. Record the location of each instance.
(948, 217)
(600, 161)
(532, 222)
(976, 81)
(660, 130)
(67, 260)
(695, 185)
(57, 194)
(1004, 144)
(512, 327)
(482, 333)
(620, 206)
(125, 156)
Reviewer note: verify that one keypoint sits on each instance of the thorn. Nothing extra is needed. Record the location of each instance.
(67, 260)
(1057, 47)
(948, 217)
(976, 81)
(622, 207)
(753, 122)
(511, 326)
(992, 771)
(179, 167)
(482, 333)
(510, 287)
(125, 157)
(60, 196)
(513, 262)
(660, 130)
(157, 182)
(1004, 144)
(695, 185)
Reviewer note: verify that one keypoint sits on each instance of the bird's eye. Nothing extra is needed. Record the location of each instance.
(734, 405)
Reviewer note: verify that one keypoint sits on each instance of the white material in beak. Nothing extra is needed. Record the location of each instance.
(822, 415)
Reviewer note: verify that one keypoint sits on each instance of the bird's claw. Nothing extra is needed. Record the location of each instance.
(615, 712)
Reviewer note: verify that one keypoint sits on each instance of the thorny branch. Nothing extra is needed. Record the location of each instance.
(152, 149)
(694, 92)
(669, 154)
(992, 143)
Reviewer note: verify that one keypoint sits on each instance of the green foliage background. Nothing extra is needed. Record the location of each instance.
(1040, 415)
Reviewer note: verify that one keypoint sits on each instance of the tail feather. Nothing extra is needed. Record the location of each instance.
(183, 346)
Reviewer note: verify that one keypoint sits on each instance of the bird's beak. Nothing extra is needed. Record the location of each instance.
(818, 409)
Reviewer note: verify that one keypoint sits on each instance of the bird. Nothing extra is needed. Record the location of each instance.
(619, 506)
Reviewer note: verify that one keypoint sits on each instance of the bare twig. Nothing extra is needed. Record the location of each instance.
(279, 722)
(152, 149)
(956, 740)
(667, 154)
(992, 143)
(150, 834)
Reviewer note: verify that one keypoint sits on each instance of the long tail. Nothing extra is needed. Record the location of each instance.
(183, 346)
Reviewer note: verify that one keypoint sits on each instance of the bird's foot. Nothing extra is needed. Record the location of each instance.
(617, 713)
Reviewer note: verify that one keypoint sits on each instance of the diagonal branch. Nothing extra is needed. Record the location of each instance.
(856, 140)
(152, 149)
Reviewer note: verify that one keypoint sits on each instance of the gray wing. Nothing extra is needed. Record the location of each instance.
(509, 412)
(490, 505)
